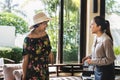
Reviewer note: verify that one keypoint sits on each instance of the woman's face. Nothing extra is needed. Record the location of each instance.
(94, 27)
(43, 25)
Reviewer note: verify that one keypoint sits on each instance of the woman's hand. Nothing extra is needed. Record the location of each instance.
(88, 61)
(85, 58)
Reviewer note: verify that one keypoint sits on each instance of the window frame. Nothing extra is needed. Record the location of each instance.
(82, 44)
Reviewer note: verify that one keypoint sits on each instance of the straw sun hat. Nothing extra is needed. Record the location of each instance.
(39, 18)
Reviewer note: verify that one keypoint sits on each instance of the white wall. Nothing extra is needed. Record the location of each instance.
(90, 16)
(7, 36)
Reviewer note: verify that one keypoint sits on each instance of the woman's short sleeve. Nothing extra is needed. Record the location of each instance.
(26, 46)
(48, 45)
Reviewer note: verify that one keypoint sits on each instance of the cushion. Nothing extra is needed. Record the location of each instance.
(8, 70)
(17, 74)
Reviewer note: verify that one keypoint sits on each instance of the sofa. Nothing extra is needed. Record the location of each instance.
(12, 71)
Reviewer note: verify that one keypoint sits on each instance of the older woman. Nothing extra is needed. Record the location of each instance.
(37, 50)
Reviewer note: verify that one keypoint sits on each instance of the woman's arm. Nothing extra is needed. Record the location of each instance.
(105, 54)
(51, 58)
(24, 66)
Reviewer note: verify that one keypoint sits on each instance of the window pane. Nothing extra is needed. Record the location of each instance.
(71, 36)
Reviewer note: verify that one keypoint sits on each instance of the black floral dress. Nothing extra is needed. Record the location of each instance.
(38, 50)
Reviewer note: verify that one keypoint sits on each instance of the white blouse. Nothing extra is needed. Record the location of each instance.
(102, 51)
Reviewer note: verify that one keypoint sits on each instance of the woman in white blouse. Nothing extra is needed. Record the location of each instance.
(102, 51)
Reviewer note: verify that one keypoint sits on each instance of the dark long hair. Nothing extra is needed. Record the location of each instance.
(105, 25)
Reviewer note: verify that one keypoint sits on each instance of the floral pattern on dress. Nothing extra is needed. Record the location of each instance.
(38, 50)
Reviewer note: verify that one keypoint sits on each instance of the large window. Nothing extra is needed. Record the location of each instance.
(71, 31)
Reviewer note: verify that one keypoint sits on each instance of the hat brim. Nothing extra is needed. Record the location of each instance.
(47, 19)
